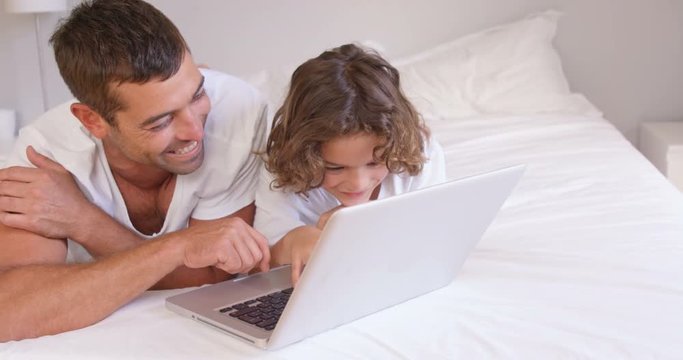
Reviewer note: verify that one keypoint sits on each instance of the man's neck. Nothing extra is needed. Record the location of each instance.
(139, 175)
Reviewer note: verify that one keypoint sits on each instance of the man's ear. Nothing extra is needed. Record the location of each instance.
(91, 120)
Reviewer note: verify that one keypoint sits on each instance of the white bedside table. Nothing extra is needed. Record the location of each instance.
(662, 143)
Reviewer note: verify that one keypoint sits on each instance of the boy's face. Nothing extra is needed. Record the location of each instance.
(351, 172)
(162, 123)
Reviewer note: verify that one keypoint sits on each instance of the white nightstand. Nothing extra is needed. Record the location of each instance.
(662, 143)
(5, 148)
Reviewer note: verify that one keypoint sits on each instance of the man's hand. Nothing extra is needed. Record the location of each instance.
(44, 200)
(228, 244)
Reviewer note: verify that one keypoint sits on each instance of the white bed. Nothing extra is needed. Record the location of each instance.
(585, 259)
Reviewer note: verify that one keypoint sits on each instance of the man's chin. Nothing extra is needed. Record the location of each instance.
(186, 167)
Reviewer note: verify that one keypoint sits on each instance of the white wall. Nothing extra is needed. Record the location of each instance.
(19, 76)
(626, 56)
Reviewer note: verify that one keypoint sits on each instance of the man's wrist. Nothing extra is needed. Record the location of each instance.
(173, 245)
(85, 224)
(100, 233)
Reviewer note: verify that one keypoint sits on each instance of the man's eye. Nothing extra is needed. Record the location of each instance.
(199, 95)
(161, 125)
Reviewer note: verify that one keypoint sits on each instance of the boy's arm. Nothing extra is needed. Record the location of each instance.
(295, 248)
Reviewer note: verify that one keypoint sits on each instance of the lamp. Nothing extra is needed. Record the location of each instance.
(36, 7)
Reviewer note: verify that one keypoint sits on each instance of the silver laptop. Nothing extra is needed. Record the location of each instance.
(369, 257)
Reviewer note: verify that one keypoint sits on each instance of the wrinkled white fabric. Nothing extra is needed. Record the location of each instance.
(584, 261)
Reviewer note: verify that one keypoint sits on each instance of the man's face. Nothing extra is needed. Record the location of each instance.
(162, 124)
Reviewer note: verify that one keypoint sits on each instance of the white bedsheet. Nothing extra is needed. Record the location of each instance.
(585, 260)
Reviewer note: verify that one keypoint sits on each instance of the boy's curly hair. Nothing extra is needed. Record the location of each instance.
(344, 91)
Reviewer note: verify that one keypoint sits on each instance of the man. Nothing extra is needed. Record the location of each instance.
(163, 157)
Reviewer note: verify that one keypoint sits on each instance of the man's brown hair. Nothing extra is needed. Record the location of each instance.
(104, 43)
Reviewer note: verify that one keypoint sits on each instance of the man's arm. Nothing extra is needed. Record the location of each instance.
(47, 201)
(108, 237)
(39, 295)
(102, 236)
(54, 207)
(184, 276)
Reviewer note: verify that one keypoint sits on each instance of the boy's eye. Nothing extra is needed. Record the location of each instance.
(333, 168)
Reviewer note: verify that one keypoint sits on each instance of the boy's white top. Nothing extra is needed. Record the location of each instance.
(225, 182)
(279, 211)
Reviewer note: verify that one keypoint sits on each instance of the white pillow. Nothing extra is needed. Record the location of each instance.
(511, 69)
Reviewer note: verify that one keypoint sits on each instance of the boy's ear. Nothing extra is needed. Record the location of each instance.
(91, 120)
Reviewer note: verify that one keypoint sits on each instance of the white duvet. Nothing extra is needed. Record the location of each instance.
(585, 260)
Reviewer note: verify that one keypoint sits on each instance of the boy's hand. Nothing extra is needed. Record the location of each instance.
(325, 217)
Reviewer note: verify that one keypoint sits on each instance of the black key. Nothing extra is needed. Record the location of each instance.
(225, 309)
(239, 306)
(270, 327)
(265, 323)
(244, 311)
(250, 319)
(266, 316)
(271, 301)
(288, 291)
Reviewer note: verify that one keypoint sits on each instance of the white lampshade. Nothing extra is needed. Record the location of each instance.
(34, 6)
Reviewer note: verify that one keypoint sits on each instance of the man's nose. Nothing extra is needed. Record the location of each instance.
(189, 126)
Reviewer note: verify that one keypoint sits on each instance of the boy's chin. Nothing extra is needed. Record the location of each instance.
(347, 202)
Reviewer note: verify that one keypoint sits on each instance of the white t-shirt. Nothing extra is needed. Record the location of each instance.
(223, 184)
(278, 211)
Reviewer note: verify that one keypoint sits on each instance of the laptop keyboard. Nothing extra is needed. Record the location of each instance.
(263, 311)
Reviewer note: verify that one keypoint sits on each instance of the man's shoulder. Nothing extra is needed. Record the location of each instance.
(55, 118)
(225, 87)
(237, 108)
(56, 129)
